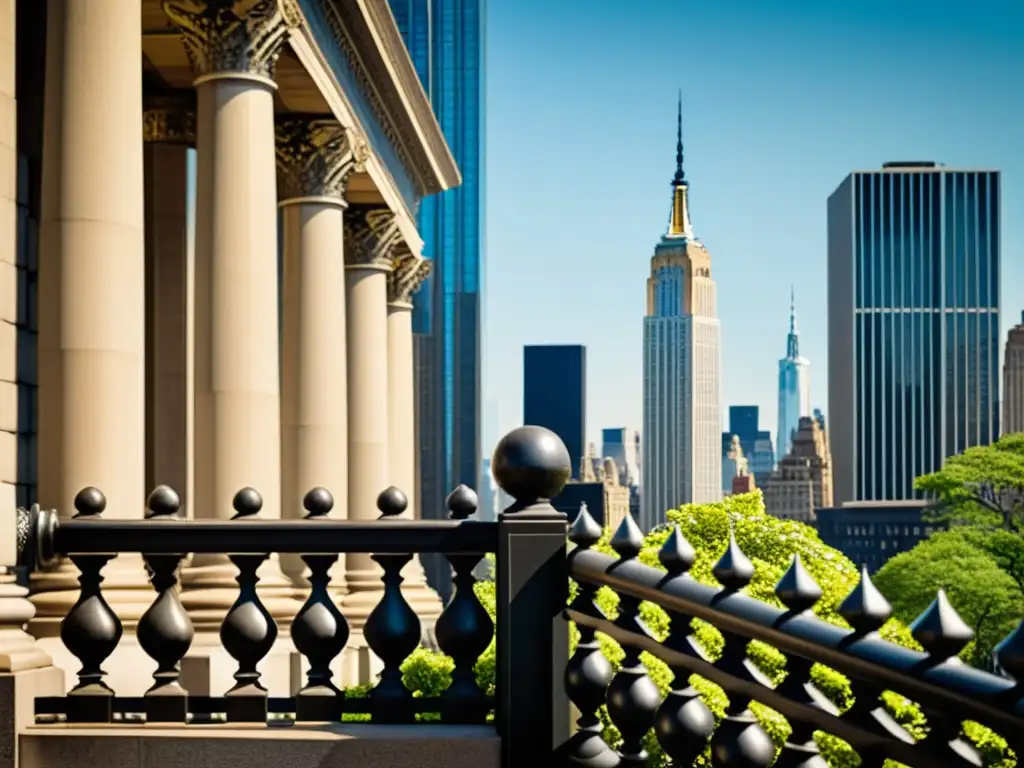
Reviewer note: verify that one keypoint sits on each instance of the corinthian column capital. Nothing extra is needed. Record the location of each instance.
(372, 238)
(405, 279)
(169, 119)
(236, 37)
(315, 157)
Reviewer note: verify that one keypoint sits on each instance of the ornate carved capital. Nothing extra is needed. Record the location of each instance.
(233, 36)
(315, 157)
(406, 278)
(372, 239)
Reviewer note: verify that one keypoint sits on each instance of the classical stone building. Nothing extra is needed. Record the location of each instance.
(802, 481)
(598, 487)
(1013, 380)
(262, 338)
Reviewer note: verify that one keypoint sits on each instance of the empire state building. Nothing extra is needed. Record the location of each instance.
(682, 429)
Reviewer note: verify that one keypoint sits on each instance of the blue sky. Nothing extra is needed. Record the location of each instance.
(780, 101)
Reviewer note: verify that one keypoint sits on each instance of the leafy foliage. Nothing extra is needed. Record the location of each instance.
(983, 486)
(770, 543)
(989, 600)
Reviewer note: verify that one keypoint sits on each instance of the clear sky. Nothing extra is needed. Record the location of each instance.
(780, 101)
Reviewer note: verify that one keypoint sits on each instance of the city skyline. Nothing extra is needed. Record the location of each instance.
(785, 104)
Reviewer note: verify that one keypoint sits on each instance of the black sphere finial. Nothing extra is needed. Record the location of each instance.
(392, 502)
(90, 502)
(318, 502)
(163, 501)
(531, 463)
(462, 503)
(247, 502)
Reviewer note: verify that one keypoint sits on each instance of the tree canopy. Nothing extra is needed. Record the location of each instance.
(982, 486)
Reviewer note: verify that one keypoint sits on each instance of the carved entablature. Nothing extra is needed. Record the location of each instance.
(406, 278)
(233, 36)
(170, 118)
(315, 157)
(372, 238)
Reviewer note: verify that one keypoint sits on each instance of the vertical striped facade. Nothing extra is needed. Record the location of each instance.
(913, 324)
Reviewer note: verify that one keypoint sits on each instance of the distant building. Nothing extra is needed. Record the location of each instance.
(756, 443)
(682, 404)
(1013, 380)
(794, 386)
(913, 323)
(599, 489)
(487, 493)
(622, 445)
(555, 392)
(869, 533)
(734, 464)
(743, 484)
(802, 482)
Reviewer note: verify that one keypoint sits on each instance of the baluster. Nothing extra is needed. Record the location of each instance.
(249, 631)
(683, 722)
(464, 629)
(165, 630)
(392, 629)
(799, 592)
(91, 630)
(588, 672)
(633, 698)
(739, 741)
(319, 631)
(866, 610)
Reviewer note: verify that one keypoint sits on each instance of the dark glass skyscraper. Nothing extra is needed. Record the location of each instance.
(555, 394)
(913, 324)
(446, 41)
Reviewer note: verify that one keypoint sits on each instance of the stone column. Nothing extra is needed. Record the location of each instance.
(314, 159)
(371, 238)
(237, 385)
(91, 292)
(168, 128)
(406, 278)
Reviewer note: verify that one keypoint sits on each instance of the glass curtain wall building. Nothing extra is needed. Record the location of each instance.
(445, 39)
(913, 324)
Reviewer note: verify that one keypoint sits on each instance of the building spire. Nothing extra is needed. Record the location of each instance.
(679, 222)
(793, 340)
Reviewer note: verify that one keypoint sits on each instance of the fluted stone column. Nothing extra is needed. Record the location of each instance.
(168, 128)
(371, 238)
(237, 385)
(91, 286)
(314, 159)
(406, 278)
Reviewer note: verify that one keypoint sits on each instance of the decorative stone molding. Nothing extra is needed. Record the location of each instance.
(225, 36)
(169, 125)
(315, 157)
(372, 238)
(406, 278)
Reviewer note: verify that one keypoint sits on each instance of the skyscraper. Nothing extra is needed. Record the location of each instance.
(622, 445)
(445, 39)
(794, 385)
(681, 434)
(1013, 380)
(555, 394)
(756, 442)
(913, 324)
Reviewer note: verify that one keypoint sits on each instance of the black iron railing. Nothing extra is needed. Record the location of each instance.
(947, 691)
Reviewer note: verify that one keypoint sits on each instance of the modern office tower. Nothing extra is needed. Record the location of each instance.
(622, 445)
(445, 39)
(756, 443)
(794, 386)
(1013, 380)
(682, 462)
(913, 324)
(555, 394)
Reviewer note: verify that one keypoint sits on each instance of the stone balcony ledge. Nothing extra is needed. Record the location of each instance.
(257, 746)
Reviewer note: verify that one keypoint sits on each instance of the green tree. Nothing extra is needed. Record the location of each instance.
(986, 596)
(983, 486)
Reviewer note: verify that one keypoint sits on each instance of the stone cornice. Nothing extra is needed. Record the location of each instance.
(406, 278)
(370, 40)
(233, 36)
(315, 156)
(372, 238)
